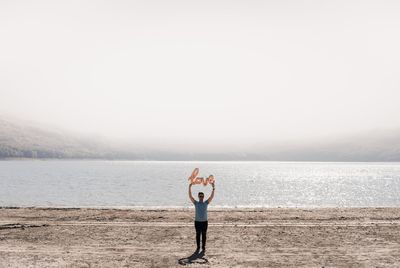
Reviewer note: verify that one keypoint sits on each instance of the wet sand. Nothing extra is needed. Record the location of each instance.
(362, 237)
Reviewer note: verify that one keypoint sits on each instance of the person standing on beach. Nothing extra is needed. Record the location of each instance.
(201, 218)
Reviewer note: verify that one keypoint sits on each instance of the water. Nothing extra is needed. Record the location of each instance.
(165, 184)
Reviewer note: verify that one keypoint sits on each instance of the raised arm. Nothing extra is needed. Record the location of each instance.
(190, 193)
(212, 194)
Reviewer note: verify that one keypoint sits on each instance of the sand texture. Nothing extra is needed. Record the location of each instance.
(362, 237)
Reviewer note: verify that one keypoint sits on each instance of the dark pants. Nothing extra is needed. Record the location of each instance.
(201, 229)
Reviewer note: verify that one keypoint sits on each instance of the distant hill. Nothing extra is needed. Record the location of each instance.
(372, 146)
(27, 140)
(24, 140)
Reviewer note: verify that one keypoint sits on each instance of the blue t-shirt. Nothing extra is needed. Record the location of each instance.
(201, 210)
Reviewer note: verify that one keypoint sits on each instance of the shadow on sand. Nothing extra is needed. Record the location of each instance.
(196, 257)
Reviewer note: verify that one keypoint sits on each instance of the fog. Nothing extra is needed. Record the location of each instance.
(205, 73)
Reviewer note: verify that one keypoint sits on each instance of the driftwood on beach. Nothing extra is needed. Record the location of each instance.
(19, 225)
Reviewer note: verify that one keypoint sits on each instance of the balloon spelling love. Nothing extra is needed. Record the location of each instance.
(195, 180)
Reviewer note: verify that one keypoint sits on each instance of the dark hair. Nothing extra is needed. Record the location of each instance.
(201, 193)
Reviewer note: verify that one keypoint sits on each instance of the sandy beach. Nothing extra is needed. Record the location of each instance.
(331, 237)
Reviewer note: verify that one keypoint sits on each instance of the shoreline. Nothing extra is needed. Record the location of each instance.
(190, 207)
(269, 237)
(195, 161)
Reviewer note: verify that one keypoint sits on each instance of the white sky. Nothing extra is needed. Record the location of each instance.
(202, 71)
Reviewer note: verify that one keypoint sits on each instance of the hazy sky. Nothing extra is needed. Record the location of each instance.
(209, 71)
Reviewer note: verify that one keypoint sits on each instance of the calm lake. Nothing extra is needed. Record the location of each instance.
(164, 184)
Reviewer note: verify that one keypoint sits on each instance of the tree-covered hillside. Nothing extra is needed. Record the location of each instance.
(22, 140)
